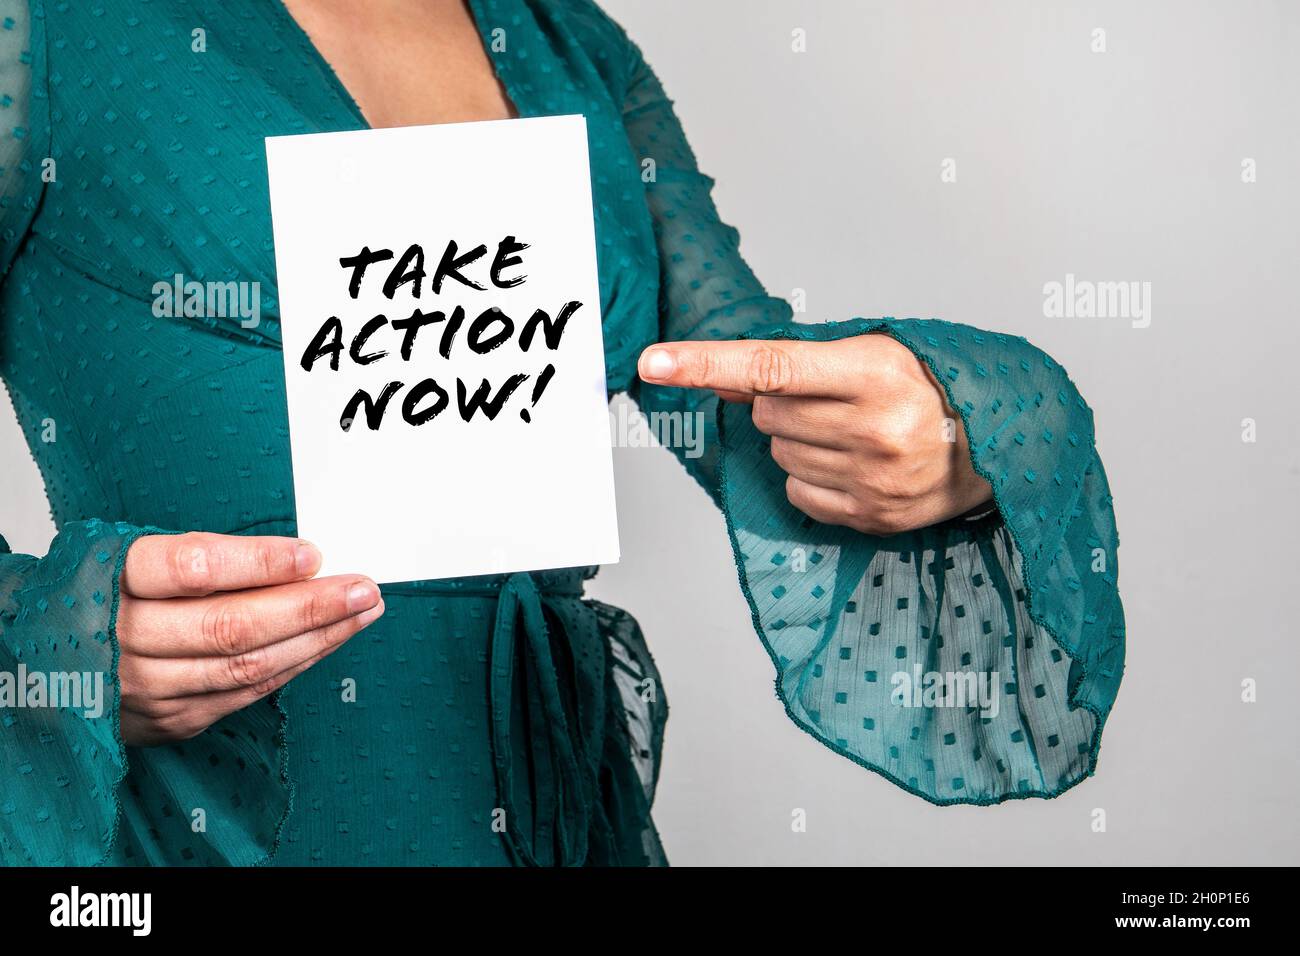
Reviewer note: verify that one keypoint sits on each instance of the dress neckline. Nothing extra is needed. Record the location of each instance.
(340, 89)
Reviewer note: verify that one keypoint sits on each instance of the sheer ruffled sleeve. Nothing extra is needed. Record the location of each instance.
(62, 753)
(706, 290)
(62, 756)
(972, 662)
(72, 793)
(24, 120)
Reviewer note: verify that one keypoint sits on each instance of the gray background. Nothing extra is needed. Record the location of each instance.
(1115, 166)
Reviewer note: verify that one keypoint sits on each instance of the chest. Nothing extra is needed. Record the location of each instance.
(408, 62)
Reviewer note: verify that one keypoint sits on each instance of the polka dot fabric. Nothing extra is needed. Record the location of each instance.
(1016, 613)
(62, 766)
(127, 156)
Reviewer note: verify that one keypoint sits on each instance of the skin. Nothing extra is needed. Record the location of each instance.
(860, 426)
(207, 623)
(391, 54)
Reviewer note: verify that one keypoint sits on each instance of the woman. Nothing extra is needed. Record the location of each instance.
(905, 498)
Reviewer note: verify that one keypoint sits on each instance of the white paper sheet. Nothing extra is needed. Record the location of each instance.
(449, 497)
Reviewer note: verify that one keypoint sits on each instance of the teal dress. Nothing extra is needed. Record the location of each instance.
(495, 720)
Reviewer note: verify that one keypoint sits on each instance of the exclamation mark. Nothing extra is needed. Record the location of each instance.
(542, 381)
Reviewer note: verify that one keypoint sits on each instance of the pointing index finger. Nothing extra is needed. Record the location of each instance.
(751, 367)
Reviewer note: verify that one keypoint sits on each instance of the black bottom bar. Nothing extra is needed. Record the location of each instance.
(209, 906)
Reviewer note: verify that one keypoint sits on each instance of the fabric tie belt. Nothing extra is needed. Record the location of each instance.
(547, 666)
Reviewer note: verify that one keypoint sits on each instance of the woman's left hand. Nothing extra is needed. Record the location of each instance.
(859, 425)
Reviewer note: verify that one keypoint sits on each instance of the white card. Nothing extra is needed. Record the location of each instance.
(440, 488)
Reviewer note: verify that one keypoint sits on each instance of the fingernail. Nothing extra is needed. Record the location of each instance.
(369, 617)
(657, 364)
(306, 558)
(361, 596)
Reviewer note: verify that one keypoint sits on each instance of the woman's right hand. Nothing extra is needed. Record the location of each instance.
(209, 623)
